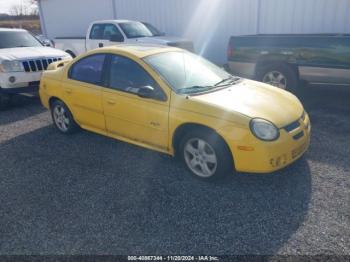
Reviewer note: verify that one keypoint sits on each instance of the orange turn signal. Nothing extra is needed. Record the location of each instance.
(246, 148)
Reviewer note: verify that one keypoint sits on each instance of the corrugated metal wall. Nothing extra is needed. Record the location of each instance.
(209, 23)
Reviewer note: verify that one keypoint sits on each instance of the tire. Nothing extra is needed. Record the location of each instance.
(71, 54)
(270, 74)
(209, 161)
(63, 118)
(5, 101)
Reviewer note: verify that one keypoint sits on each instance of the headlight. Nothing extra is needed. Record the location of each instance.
(264, 129)
(11, 66)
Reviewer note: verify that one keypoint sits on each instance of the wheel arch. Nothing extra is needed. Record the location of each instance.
(183, 129)
(267, 61)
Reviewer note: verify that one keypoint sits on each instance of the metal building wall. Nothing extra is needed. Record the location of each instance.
(72, 17)
(209, 23)
(305, 16)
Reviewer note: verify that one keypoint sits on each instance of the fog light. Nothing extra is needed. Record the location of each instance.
(12, 79)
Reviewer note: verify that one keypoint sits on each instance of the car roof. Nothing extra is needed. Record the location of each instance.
(139, 50)
(114, 21)
(3, 29)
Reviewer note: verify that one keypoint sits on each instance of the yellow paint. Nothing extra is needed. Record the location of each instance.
(152, 123)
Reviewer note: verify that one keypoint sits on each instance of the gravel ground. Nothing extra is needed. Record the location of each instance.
(87, 194)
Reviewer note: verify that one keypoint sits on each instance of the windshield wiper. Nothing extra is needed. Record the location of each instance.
(230, 81)
(194, 89)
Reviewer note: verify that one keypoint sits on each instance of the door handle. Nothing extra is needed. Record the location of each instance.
(100, 45)
(68, 90)
(111, 102)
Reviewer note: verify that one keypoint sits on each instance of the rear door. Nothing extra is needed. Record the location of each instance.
(101, 35)
(325, 59)
(83, 91)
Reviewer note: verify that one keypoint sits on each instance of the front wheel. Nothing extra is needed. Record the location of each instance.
(63, 118)
(206, 155)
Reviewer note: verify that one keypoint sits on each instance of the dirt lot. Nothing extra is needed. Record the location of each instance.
(87, 194)
(30, 25)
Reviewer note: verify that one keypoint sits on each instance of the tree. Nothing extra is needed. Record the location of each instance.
(26, 8)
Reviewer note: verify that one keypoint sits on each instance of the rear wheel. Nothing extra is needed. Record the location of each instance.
(279, 75)
(63, 118)
(206, 155)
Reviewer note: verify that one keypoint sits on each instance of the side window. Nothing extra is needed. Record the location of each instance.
(97, 31)
(88, 70)
(128, 76)
(111, 30)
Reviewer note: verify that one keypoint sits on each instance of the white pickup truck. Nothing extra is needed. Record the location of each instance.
(22, 61)
(112, 32)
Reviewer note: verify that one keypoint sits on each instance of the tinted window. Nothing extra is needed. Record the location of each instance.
(128, 76)
(88, 69)
(17, 39)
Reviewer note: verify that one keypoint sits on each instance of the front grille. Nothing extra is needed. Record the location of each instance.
(298, 136)
(37, 65)
(292, 126)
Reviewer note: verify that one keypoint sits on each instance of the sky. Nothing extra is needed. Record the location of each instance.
(5, 5)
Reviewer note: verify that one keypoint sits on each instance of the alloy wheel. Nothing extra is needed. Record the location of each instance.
(200, 157)
(276, 79)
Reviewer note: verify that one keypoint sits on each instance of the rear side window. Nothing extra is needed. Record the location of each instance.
(88, 70)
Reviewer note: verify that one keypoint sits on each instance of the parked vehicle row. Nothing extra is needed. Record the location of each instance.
(172, 101)
(286, 60)
(159, 97)
(112, 32)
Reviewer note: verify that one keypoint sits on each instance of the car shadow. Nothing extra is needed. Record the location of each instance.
(21, 107)
(87, 194)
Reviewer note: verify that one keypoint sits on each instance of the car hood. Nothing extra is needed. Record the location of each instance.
(255, 100)
(23, 53)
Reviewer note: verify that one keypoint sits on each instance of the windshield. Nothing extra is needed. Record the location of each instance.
(188, 73)
(12, 39)
(135, 30)
(153, 29)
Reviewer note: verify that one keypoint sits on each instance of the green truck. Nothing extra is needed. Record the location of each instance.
(286, 61)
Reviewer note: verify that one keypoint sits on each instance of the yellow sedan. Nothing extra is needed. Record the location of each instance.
(172, 101)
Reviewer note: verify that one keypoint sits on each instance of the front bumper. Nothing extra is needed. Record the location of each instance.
(268, 157)
(24, 82)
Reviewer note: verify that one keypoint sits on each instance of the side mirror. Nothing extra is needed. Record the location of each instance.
(116, 38)
(146, 92)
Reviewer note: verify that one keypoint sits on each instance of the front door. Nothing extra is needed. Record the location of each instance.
(102, 34)
(128, 115)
